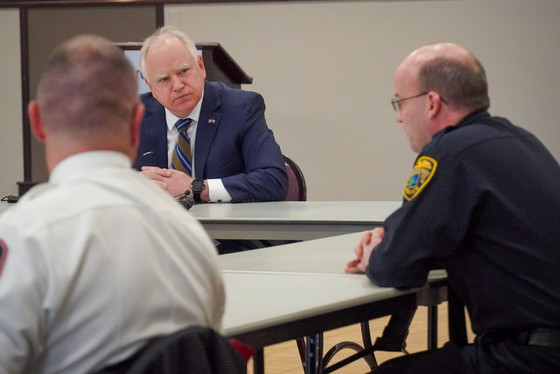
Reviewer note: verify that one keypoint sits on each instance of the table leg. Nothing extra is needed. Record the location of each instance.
(258, 361)
(432, 327)
(314, 353)
(457, 323)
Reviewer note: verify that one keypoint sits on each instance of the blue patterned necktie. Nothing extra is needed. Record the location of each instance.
(182, 158)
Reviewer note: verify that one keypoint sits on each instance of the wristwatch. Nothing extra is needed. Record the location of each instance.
(197, 186)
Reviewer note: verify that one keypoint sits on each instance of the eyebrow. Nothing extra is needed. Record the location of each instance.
(180, 68)
(160, 76)
(183, 67)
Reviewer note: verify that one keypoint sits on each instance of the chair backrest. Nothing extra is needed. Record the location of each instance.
(297, 189)
(193, 350)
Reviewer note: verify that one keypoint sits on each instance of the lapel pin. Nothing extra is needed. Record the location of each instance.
(212, 121)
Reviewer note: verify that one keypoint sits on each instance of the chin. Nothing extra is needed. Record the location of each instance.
(183, 106)
(182, 111)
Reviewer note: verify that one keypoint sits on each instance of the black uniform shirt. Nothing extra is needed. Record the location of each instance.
(483, 202)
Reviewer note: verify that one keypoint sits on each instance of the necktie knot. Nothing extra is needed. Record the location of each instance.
(183, 124)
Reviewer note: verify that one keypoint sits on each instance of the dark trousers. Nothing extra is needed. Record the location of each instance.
(489, 354)
(447, 359)
(233, 246)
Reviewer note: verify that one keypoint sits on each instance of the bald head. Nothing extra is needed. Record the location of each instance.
(439, 50)
(87, 99)
(451, 71)
(436, 86)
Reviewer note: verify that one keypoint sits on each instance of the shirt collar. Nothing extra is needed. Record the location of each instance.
(85, 162)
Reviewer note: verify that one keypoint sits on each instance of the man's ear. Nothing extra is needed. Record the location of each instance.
(136, 120)
(435, 104)
(35, 119)
(134, 131)
(148, 84)
(201, 65)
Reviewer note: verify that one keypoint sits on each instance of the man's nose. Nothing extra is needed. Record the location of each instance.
(177, 83)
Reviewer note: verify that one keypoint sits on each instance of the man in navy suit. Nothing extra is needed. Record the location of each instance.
(235, 155)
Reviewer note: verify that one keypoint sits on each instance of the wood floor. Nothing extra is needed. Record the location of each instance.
(284, 358)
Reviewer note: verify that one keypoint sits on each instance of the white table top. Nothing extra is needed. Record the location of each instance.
(277, 285)
(256, 301)
(297, 211)
(320, 256)
(291, 220)
(288, 220)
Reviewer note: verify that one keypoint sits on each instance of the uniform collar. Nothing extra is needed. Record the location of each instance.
(474, 117)
(467, 120)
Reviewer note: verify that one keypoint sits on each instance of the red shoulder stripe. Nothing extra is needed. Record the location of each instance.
(3, 254)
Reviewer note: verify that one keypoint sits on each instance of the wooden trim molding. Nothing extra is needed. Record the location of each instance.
(25, 96)
(63, 3)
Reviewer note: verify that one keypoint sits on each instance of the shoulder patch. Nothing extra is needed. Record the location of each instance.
(424, 169)
(3, 254)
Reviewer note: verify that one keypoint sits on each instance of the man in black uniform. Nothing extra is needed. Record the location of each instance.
(483, 202)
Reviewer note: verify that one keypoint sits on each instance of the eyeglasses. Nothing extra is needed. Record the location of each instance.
(396, 103)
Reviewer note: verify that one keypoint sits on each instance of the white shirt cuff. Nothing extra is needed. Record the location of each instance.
(217, 193)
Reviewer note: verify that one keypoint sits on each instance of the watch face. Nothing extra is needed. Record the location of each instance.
(197, 185)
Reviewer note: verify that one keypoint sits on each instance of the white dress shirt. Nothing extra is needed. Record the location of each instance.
(99, 260)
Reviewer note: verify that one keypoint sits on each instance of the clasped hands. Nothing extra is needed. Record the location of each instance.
(363, 250)
(173, 181)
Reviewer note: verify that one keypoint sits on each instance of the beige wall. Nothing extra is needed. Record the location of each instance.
(116, 23)
(325, 70)
(11, 148)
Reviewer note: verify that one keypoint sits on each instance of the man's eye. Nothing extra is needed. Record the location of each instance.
(184, 71)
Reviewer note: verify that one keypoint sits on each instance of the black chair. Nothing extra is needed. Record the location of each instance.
(297, 189)
(394, 335)
(193, 350)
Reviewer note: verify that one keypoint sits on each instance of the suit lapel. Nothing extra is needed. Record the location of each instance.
(152, 150)
(208, 122)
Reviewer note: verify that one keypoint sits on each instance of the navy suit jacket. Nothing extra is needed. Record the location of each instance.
(233, 143)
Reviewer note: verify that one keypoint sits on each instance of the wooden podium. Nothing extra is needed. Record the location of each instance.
(220, 66)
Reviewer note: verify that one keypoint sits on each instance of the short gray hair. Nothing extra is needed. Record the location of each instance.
(87, 83)
(165, 30)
